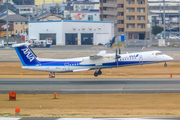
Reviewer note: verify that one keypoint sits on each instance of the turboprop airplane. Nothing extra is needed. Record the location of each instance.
(96, 62)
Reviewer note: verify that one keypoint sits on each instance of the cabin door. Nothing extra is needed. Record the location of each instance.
(140, 59)
(66, 67)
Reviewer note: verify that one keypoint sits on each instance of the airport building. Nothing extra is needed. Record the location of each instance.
(69, 32)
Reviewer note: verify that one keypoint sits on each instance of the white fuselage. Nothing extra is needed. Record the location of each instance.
(106, 61)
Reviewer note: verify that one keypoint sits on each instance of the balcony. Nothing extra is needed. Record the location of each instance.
(141, 21)
(130, 5)
(110, 13)
(130, 21)
(120, 25)
(142, 13)
(120, 1)
(109, 19)
(130, 13)
(120, 17)
(135, 30)
(120, 9)
(141, 5)
(114, 5)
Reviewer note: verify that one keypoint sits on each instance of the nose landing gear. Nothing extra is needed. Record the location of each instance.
(99, 72)
(51, 74)
(165, 65)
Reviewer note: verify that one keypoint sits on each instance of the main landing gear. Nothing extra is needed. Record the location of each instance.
(51, 74)
(99, 72)
(165, 65)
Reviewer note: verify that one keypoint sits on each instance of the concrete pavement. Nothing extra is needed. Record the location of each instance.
(175, 118)
(89, 86)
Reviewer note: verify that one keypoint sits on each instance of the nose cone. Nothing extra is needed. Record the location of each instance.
(169, 58)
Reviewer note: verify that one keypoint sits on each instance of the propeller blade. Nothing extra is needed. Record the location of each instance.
(117, 57)
(117, 62)
(116, 51)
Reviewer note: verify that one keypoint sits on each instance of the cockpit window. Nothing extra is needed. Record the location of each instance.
(160, 53)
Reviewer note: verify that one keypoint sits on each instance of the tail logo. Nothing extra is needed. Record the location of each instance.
(28, 54)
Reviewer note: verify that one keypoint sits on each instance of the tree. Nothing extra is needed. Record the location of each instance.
(27, 31)
(2, 21)
(156, 29)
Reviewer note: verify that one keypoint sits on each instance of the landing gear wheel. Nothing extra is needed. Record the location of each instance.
(96, 74)
(165, 65)
(99, 72)
(51, 74)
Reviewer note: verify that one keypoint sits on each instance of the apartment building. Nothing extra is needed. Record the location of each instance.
(129, 16)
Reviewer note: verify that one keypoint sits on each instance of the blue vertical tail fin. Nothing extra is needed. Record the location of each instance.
(25, 54)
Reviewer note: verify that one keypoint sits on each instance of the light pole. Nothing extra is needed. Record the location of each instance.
(164, 18)
(7, 22)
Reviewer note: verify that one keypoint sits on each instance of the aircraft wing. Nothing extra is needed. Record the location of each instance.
(99, 55)
(98, 59)
(81, 70)
(94, 57)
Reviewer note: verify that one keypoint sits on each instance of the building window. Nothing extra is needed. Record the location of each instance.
(128, 18)
(82, 8)
(21, 31)
(128, 2)
(120, 29)
(104, 16)
(90, 17)
(141, 25)
(141, 17)
(120, 5)
(129, 10)
(129, 26)
(140, 2)
(21, 23)
(120, 22)
(141, 10)
(120, 13)
(88, 7)
(16, 23)
(16, 31)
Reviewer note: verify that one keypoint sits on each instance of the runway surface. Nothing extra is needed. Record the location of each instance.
(175, 118)
(89, 86)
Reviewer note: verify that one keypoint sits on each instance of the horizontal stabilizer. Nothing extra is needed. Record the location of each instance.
(103, 52)
(21, 44)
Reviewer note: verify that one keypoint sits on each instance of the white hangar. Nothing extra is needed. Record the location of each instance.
(71, 32)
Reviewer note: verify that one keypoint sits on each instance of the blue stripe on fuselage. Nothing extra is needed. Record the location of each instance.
(77, 63)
